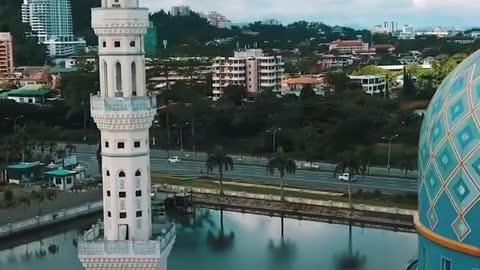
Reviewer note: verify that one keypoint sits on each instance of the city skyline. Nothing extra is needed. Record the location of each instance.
(422, 13)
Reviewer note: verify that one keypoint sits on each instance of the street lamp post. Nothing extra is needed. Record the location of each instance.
(181, 135)
(275, 139)
(390, 150)
(14, 123)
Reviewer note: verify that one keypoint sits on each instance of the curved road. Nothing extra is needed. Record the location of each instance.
(301, 178)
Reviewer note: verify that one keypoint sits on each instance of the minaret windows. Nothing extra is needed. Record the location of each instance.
(138, 173)
(118, 78)
(134, 78)
(108, 173)
(121, 174)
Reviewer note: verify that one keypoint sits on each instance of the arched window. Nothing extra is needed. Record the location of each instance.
(108, 173)
(138, 173)
(105, 77)
(134, 79)
(121, 174)
(118, 76)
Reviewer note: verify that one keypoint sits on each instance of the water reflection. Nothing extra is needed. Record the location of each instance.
(214, 239)
(220, 241)
(282, 251)
(350, 260)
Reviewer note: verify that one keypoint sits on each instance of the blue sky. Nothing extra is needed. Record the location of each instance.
(448, 13)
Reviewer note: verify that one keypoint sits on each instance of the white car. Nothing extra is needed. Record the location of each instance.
(174, 160)
(346, 177)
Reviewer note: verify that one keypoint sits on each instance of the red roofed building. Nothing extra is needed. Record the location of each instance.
(348, 46)
(388, 47)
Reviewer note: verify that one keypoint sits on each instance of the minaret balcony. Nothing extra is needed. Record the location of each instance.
(92, 246)
(123, 104)
(123, 113)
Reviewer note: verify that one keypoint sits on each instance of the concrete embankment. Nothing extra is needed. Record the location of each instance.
(39, 222)
(390, 218)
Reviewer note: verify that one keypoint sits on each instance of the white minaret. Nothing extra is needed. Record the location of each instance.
(124, 113)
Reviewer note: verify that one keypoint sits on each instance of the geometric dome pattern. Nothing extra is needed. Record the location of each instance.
(449, 157)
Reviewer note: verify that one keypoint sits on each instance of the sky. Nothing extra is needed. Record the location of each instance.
(364, 13)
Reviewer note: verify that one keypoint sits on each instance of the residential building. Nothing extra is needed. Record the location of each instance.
(271, 22)
(295, 85)
(218, 20)
(251, 68)
(6, 53)
(330, 61)
(128, 239)
(181, 10)
(391, 26)
(449, 166)
(379, 29)
(25, 95)
(388, 47)
(51, 23)
(408, 29)
(371, 84)
(348, 46)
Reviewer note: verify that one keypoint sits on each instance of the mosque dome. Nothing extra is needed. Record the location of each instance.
(449, 158)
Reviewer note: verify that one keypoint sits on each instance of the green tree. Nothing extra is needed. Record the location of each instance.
(26, 201)
(408, 161)
(218, 160)
(307, 92)
(8, 197)
(283, 164)
(234, 94)
(70, 148)
(349, 161)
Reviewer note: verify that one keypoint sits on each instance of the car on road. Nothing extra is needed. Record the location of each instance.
(174, 160)
(345, 177)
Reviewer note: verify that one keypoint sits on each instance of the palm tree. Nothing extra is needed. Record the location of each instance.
(8, 147)
(52, 148)
(282, 164)
(22, 140)
(39, 197)
(25, 200)
(218, 159)
(348, 160)
(70, 148)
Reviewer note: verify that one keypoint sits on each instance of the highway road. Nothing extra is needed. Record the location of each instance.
(302, 178)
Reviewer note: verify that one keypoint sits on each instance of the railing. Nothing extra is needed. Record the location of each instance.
(87, 247)
(270, 197)
(123, 104)
(55, 217)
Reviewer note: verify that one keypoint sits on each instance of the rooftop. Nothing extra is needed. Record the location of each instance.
(348, 42)
(28, 93)
(60, 172)
(303, 80)
(24, 165)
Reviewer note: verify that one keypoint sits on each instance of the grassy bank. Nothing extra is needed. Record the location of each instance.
(376, 198)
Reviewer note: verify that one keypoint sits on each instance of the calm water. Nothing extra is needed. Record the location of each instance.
(248, 242)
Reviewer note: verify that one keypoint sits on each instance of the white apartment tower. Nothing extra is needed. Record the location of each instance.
(252, 69)
(51, 23)
(124, 113)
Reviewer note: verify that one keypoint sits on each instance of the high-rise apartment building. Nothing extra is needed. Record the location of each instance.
(218, 20)
(124, 112)
(6, 53)
(252, 69)
(391, 26)
(180, 10)
(51, 23)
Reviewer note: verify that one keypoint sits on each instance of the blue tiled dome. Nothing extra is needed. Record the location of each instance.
(449, 157)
